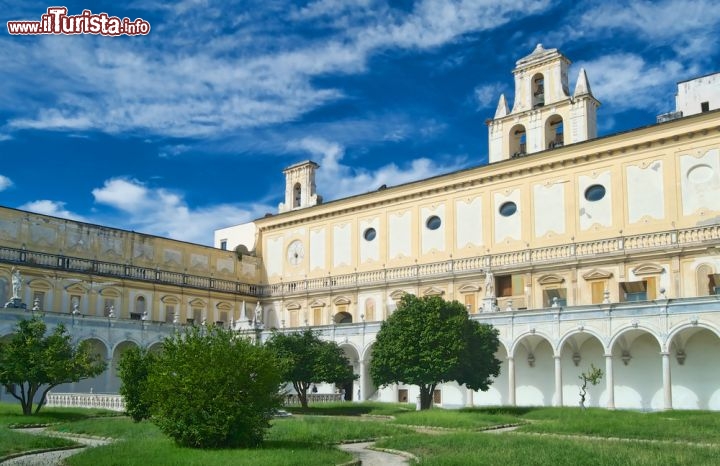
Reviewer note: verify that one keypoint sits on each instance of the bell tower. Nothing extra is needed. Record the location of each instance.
(544, 115)
(300, 187)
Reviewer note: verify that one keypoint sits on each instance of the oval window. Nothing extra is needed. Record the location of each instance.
(369, 234)
(595, 192)
(433, 223)
(508, 208)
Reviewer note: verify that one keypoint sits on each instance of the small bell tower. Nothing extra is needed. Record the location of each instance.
(300, 187)
(544, 115)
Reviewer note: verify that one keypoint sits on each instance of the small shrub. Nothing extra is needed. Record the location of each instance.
(210, 389)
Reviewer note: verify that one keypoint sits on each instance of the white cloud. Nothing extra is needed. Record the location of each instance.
(5, 182)
(53, 208)
(335, 180)
(253, 78)
(159, 211)
(123, 194)
(689, 26)
(486, 95)
(625, 81)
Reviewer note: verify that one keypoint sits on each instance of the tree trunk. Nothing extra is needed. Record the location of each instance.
(426, 396)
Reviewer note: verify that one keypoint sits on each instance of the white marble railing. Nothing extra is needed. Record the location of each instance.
(291, 400)
(85, 400)
(648, 241)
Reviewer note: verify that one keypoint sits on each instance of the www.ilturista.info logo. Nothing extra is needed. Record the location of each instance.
(57, 21)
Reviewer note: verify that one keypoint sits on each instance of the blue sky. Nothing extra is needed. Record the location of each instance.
(187, 129)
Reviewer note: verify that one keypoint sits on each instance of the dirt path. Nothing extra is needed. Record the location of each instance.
(52, 458)
(374, 457)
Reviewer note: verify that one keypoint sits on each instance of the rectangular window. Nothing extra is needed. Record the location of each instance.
(74, 301)
(555, 296)
(293, 318)
(169, 313)
(705, 107)
(598, 291)
(714, 283)
(135, 316)
(634, 291)
(402, 395)
(509, 285)
(197, 315)
(317, 316)
(223, 316)
(223, 244)
(470, 303)
(437, 397)
(108, 304)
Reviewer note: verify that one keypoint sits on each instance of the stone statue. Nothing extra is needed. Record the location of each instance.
(258, 312)
(16, 283)
(489, 285)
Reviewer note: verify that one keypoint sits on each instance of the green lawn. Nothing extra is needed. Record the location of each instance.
(686, 437)
(15, 441)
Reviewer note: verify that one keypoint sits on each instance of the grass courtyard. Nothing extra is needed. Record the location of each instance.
(557, 436)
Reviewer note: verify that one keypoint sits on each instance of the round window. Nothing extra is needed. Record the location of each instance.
(508, 208)
(433, 223)
(595, 192)
(369, 234)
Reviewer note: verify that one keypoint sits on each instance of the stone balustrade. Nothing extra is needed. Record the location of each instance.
(108, 401)
(293, 400)
(478, 264)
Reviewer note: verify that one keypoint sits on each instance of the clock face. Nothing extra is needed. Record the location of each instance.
(295, 252)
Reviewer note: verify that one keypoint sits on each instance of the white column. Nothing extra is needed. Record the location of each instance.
(469, 402)
(609, 383)
(361, 381)
(558, 382)
(511, 381)
(667, 380)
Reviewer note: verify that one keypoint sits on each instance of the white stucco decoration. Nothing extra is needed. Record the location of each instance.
(507, 227)
(317, 249)
(700, 181)
(342, 245)
(468, 222)
(399, 234)
(274, 255)
(645, 193)
(595, 212)
(549, 208)
(369, 249)
(432, 240)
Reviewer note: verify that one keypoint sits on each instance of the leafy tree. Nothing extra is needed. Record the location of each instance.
(592, 375)
(134, 368)
(428, 341)
(307, 360)
(208, 389)
(32, 363)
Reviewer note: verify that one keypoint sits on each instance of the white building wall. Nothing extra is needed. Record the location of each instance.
(692, 93)
(244, 234)
(317, 249)
(700, 181)
(369, 249)
(507, 227)
(595, 212)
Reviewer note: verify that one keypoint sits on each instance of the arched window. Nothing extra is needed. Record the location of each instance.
(554, 132)
(538, 90)
(139, 308)
(297, 195)
(343, 318)
(518, 142)
(703, 279)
